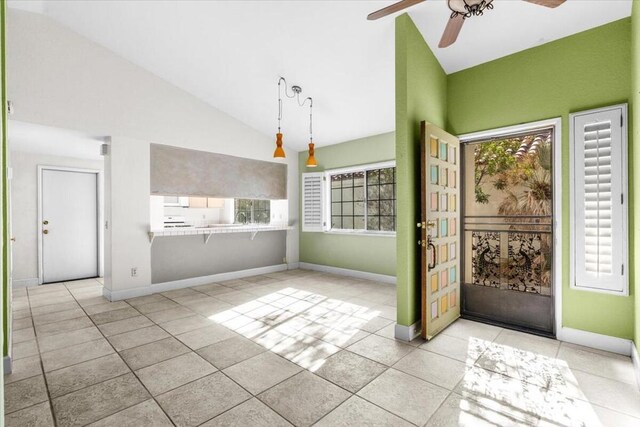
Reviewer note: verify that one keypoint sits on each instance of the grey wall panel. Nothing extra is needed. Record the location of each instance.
(182, 172)
(183, 257)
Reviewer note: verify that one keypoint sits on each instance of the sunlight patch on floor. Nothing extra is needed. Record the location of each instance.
(303, 327)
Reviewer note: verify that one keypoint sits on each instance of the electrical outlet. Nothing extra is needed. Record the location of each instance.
(134, 271)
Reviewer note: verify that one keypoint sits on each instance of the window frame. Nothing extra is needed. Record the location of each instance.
(251, 210)
(327, 199)
(624, 246)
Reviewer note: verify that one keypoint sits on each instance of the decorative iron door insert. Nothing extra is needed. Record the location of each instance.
(440, 229)
(507, 230)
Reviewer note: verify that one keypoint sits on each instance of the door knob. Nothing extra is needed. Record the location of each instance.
(45, 222)
(431, 224)
(13, 239)
(45, 231)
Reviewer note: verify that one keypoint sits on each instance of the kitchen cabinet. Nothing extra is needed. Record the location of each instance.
(205, 202)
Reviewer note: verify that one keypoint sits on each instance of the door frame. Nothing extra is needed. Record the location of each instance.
(99, 218)
(557, 197)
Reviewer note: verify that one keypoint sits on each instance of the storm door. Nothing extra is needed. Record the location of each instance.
(508, 230)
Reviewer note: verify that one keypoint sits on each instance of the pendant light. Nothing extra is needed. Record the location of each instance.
(279, 152)
(311, 160)
(296, 91)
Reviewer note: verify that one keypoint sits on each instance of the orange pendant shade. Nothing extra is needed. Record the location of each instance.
(279, 153)
(311, 161)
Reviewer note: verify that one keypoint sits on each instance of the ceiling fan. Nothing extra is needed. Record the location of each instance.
(460, 10)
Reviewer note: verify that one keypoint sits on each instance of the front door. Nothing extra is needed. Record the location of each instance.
(507, 238)
(69, 225)
(440, 229)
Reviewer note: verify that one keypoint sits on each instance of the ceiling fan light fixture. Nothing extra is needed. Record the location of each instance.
(469, 8)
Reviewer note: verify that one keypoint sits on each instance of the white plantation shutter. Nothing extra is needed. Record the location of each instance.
(313, 202)
(599, 217)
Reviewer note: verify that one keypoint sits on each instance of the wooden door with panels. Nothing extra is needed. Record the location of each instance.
(440, 229)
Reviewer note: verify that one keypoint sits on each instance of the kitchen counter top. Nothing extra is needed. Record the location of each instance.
(216, 229)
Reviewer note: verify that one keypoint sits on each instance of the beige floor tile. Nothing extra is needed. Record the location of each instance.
(186, 324)
(63, 326)
(21, 314)
(24, 368)
(47, 300)
(201, 400)
(34, 416)
(208, 308)
(510, 396)
(250, 413)
(205, 336)
(25, 322)
(610, 365)
(609, 417)
(405, 396)
(22, 335)
(125, 325)
(375, 324)
(261, 372)
(107, 306)
(24, 393)
(138, 337)
(173, 373)
(304, 398)
(157, 306)
(98, 401)
(466, 329)
(343, 338)
(611, 394)
(465, 350)
(350, 371)
(68, 339)
(168, 315)
(72, 378)
(356, 411)
(528, 342)
(58, 316)
(67, 356)
(457, 411)
(230, 351)
(380, 349)
(114, 315)
(48, 309)
(147, 299)
(24, 349)
(145, 414)
(88, 302)
(434, 368)
(152, 353)
(184, 292)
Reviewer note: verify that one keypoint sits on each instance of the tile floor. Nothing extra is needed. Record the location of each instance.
(295, 347)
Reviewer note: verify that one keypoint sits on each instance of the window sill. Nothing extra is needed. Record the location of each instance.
(362, 233)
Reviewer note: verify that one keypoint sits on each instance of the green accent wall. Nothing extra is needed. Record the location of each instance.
(372, 254)
(635, 159)
(421, 94)
(5, 202)
(586, 70)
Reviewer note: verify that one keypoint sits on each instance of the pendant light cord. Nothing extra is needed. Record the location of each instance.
(301, 104)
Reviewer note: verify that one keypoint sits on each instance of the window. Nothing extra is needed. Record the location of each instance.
(359, 199)
(599, 232)
(253, 211)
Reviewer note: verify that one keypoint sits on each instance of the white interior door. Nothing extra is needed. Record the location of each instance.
(69, 225)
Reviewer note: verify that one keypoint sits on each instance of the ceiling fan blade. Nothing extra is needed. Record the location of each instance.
(547, 3)
(451, 31)
(396, 7)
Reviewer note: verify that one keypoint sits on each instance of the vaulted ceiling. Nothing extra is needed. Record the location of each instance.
(231, 53)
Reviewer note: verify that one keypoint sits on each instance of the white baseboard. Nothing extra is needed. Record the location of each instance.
(24, 283)
(187, 283)
(598, 341)
(293, 266)
(635, 356)
(407, 333)
(6, 364)
(351, 273)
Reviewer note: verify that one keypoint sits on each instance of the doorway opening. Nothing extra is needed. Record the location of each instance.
(508, 268)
